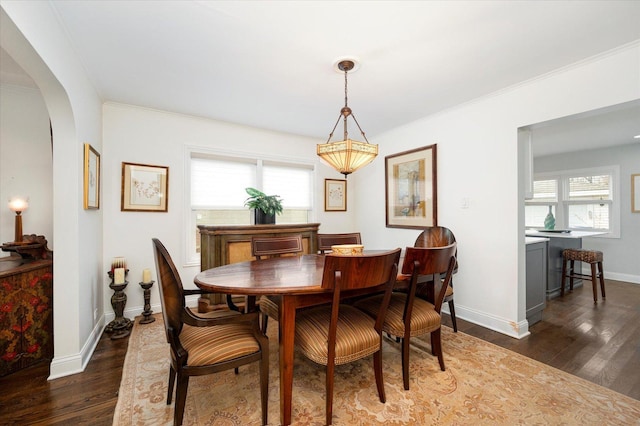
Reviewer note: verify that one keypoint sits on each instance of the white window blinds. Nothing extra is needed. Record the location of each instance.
(220, 184)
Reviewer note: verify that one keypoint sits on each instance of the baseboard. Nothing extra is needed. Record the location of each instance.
(76, 363)
(501, 325)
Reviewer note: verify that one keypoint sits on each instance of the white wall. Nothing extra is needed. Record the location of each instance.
(478, 159)
(139, 135)
(31, 34)
(25, 162)
(620, 254)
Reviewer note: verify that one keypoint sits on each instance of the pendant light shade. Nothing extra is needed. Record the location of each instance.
(348, 155)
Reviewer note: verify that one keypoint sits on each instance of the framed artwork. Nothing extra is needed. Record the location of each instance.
(91, 178)
(635, 193)
(335, 195)
(144, 188)
(411, 188)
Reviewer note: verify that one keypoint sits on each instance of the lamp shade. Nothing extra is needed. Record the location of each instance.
(348, 155)
(18, 204)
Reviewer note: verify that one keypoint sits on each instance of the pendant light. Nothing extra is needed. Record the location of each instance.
(348, 155)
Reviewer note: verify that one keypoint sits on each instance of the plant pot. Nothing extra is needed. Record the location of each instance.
(261, 218)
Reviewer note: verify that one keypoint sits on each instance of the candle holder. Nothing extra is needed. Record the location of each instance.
(147, 303)
(120, 326)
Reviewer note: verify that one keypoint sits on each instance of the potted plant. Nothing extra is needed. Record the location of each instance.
(265, 207)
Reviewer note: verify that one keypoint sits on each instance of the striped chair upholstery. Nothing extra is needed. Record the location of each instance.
(338, 333)
(409, 316)
(593, 258)
(206, 344)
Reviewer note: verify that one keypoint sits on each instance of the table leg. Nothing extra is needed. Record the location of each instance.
(286, 332)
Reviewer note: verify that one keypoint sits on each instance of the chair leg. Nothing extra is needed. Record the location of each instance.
(377, 367)
(601, 279)
(594, 283)
(264, 383)
(452, 310)
(172, 380)
(181, 399)
(562, 277)
(437, 343)
(329, 392)
(572, 272)
(405, 361)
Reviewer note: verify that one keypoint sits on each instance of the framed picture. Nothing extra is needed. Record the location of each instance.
(91, 178)
(411, 188)
(635, 193)
(144, 188)
(335, 195)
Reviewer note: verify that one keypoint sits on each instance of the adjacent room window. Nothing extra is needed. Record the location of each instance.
(217, 191)
(585, 200)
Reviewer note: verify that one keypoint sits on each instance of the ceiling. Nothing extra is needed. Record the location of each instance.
(270, 64)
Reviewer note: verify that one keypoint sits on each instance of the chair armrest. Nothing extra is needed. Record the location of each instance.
(196, 291)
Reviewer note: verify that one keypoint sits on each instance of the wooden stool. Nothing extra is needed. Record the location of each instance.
(591, 257)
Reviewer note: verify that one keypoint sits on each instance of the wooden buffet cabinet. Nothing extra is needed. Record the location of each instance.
(26, 304)
(222, 245)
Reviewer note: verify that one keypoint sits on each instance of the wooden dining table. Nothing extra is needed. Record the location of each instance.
(298, 280)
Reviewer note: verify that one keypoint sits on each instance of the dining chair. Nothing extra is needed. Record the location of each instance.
(268, 247)
(338, 333)
(325, 241)
(201, 346)
(409, 316)
(437, 236)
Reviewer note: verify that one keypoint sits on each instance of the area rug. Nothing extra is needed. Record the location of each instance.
(482, 384)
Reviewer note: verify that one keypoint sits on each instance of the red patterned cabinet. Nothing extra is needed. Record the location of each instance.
(26, 312)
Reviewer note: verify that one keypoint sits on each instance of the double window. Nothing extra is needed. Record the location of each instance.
(585, 200)
(217, 191)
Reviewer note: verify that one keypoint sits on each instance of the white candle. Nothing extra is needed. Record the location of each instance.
(146, 275)
(118, 276)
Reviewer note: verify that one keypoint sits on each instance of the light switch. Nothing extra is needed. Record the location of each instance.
(464, 203)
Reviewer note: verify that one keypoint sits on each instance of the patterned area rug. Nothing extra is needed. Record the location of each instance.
(483, 384)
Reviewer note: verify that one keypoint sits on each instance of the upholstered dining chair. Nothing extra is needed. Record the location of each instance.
(268, 247)
(325, 241)
(409, 316)
(437, 236)
(201, 346)
(338, 333)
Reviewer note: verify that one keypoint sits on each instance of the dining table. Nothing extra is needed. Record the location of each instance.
(298, 282)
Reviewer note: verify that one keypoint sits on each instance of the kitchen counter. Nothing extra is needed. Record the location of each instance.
(557, 242)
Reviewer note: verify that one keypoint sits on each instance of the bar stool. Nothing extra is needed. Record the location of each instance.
(591, 257)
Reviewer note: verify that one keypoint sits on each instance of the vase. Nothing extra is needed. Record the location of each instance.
(549, 221)
(262, 218)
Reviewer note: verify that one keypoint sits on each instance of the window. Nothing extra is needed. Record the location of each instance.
(217, 192)
(585, 200)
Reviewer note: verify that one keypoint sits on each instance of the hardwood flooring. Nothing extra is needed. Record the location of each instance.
(598, 342)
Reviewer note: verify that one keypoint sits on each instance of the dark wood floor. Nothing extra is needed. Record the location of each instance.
(600, 343)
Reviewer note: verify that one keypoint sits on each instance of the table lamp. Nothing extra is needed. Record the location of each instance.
(18, 205)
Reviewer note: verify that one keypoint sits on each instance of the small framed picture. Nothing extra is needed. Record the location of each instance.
(411, 188)
(335, 195)
(145, 188)
(91, 178)
(635, 193)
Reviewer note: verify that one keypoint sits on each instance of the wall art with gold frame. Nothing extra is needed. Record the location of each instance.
(91, 198)
(145, 188)
(335, 195)
(635, 193)
(411, 188)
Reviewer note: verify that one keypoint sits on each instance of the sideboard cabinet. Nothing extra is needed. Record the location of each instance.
(26, 312)
(222, 245)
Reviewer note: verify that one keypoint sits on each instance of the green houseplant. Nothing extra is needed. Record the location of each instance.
(265, 207)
